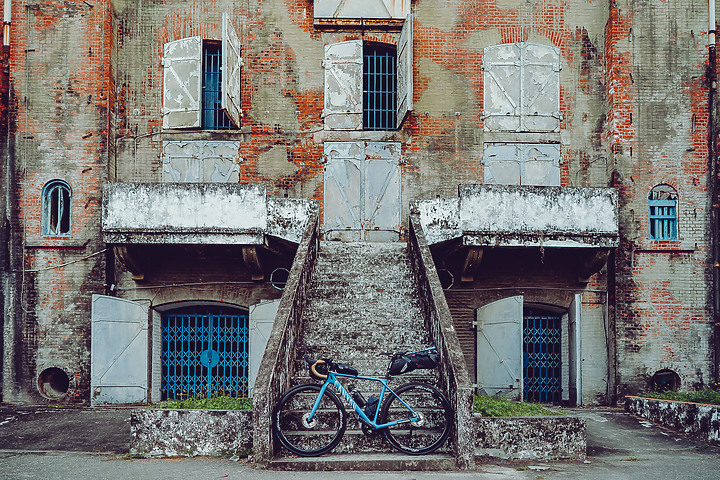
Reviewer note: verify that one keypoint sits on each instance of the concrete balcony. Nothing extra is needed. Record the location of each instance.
(139, 216)
(518, 216)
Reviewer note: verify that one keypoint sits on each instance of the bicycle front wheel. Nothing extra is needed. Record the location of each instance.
(425, 417)
(307, 436)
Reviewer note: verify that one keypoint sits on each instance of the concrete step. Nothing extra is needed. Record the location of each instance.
(363, 300)
(355, 441)
(393, 462)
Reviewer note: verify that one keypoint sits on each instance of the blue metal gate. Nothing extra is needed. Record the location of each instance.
(541, 356)
(204, 353)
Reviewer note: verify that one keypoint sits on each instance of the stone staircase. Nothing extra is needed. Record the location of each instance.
(363, 300)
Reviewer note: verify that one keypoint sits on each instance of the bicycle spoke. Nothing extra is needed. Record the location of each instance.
(421, 435)
(305, 436)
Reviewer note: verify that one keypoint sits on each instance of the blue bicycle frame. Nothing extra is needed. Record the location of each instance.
(332, 379)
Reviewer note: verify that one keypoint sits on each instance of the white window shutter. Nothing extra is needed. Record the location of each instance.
(344, 9)
(541, 164)
(262, 319)
(522, 88)
(540, 88)
(182, 81)
(501, 95)
(396, 8)
(502, 163)
(522, 164)
(499, 346)
(231, 68)
(343, 66)
(118, 351)
(405, 70)
(201, 161)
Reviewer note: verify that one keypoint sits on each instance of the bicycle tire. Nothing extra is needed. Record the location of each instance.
(309, 439)
(423, 436)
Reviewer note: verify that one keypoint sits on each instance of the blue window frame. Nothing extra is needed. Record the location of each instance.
(56, 209)
(662, 203)
(379, 87)
(213, 116)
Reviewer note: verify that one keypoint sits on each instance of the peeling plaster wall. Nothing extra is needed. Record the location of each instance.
(657, 132)
(86, 98)
(61, 100)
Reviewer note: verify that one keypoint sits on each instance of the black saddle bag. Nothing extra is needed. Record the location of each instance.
(413, 361)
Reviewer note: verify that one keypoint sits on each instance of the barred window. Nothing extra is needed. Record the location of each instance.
(368, 86)
(213, 115)
(662, 203)
(202, 81)
(379, 87)
(56, 209)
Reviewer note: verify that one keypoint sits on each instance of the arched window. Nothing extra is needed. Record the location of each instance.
(56, 208)
(662, 203)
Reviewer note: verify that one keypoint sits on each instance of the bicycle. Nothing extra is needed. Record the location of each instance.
(415, 418)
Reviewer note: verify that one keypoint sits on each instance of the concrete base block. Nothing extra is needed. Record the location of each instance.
(187, 433)
(168, 433)
(537, 438)
(695, 419)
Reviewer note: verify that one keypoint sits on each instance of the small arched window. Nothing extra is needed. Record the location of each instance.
(56, 208)
(662, 203)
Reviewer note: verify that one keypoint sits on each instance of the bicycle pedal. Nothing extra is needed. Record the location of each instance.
(368, 430)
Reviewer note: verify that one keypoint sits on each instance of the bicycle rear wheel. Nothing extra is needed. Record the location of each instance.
(431, 427)
(309, 437)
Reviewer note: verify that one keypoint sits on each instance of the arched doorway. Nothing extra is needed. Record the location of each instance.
(530, 352)
(204, 352)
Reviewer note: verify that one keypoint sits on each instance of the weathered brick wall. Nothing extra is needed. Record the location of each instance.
(86, 96)
(657, 130)
(61, 96)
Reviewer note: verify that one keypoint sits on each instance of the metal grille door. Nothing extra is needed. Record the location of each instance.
(542, 356)
(204, 353)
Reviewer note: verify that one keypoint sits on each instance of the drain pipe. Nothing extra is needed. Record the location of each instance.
(715, 202)
(6, 22)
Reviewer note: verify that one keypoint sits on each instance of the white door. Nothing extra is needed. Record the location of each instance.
(362, 191)
(118, 352)
(575, 347)
(499, 348)
(262, 319)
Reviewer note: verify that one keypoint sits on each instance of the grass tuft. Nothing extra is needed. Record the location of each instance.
(502, 407)
(216, 403)
(711, 397)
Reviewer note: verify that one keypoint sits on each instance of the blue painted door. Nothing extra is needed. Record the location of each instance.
(542, 355)
(204, 353)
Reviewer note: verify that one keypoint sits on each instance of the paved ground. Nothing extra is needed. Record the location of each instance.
(62, 443)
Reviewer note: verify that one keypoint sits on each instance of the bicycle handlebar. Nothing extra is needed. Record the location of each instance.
(314, 370)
